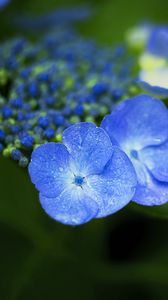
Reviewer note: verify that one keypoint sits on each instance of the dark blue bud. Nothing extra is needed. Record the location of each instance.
(25, 73)
(1, 147)
(99, 88)
(14, 129)
(59, 120)
(20, 116)
(27, 141)
(43, 76)
(49, 133)
(55, 85)
(7, 112)
(79, 110)
(30, 115)
(11, 63)
(117, 93)
(2, 135)
(20, 89)
(43, 121)
(16, 154)
(49, 100)
(16, 102)
(33, 89)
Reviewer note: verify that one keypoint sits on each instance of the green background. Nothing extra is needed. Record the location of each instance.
(124, 256)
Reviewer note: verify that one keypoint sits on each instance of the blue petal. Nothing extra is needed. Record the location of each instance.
(89, 146)
(138, 122)
(115, 187)
(158, 42)
(156, 160)
(154, 90)
(49, 169)
(154, 193)
(149, 191)
(71, 207)
(155, 81)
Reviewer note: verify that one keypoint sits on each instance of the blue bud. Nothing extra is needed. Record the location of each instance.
(2, 135)
(99, 88)
(43, 76)
(49, 100)
(43, 121)
(7, 112)
(16, 102)
(59, 120)
(117, 93)
(33, 89)
(27, 141)
(14, 129)
(16, 154)
(23, 161)
(49, 133)
(79, 110)
(1, 147)
(20, 116)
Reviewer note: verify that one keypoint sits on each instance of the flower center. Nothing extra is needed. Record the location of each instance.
(79, 180)
(134, 154)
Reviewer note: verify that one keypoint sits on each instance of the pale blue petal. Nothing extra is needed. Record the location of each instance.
(71, 207)
(156, 160)
(138, 122)
(158, 41)
(115, 187)
(154, 90)
(49, 169)
(89, 146)
(149, 191)
(153, 193)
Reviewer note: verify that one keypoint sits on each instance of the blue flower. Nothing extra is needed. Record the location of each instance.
(84, 178)
(140, 127)
(157, 43)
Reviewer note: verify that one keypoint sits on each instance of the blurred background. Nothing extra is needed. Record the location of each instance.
(124, 256)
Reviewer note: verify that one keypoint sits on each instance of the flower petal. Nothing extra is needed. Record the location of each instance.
(137, 122)
(49, 169)
(115, 187)
(156, 160)
(158, 41)
(89, 146)
(153, 193)
(71, 207)
(155, 81)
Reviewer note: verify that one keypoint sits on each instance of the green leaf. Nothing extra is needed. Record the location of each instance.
(160, 211)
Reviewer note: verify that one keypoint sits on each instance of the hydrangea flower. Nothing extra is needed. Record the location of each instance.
(55, 82)
(84, 178)
(140, 127)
